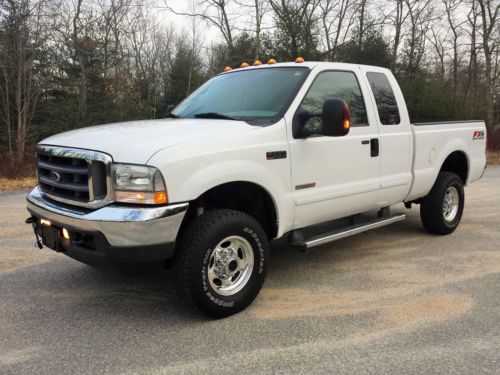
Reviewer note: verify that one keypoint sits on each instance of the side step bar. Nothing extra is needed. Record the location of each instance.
(347, 232)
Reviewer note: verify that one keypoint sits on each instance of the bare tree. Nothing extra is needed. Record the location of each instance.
(151, 49)
(215, 12)
(114, 13)
(450, 7)
(362, 8)
(472, 68)
(490, 16)
(259, 8)
(398, 20)
(297, 20)
(420, 17)
(22, 37)
(336, 19)
(440, 51)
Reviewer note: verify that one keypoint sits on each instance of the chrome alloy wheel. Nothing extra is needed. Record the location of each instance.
(451, 203)
(231, 264)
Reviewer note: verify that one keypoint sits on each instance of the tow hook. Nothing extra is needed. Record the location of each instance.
(33, 221)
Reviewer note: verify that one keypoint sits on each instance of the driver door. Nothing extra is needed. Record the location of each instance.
(334, 177)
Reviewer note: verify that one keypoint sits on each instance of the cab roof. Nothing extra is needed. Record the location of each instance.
(307, 64)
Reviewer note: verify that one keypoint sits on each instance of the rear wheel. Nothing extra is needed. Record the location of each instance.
(441, 210)
(221, 262)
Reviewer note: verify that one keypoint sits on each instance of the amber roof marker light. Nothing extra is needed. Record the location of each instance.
(271, 62)
(227, 68)
(257, 63)
(244, 65)
(299, 60)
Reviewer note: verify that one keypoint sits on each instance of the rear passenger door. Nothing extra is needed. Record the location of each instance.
(396, 138)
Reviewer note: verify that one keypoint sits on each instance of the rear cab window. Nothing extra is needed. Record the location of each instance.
(387, 106)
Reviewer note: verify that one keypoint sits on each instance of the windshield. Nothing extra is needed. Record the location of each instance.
(257, 96)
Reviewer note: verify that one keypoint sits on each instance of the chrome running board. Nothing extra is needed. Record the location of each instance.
(347, 232)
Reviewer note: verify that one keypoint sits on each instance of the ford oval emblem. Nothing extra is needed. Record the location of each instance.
(54, 176)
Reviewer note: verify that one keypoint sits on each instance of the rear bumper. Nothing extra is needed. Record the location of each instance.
(112, 234)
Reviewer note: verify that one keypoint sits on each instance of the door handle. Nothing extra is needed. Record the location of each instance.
(374, 147)
(365, 142)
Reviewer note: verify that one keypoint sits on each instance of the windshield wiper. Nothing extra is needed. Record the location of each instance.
(214, 115)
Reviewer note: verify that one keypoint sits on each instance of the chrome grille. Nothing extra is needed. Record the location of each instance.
(74, 176)
(64, 177)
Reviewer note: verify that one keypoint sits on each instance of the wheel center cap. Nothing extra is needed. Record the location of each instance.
(226, 263)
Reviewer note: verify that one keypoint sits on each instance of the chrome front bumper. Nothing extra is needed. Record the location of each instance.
(122, 226)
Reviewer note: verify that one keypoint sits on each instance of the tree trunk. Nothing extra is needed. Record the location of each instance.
(361, 23)
(489, 19)
(6, 106)
(82, 102)
(257, 29)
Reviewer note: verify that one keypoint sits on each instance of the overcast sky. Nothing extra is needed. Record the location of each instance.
(242, 18)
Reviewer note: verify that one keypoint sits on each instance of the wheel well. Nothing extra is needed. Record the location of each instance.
(456, 162)
(242, 196)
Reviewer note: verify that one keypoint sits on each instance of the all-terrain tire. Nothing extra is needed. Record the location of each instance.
(433, 212)
(195, 254)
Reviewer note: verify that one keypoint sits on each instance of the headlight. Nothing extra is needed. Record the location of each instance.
(138, 184)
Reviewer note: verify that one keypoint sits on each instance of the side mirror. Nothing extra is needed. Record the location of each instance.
(336, 118)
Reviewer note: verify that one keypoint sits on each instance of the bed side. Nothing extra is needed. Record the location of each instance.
(433, 145)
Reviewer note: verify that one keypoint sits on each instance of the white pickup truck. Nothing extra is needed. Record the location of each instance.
(311, 152)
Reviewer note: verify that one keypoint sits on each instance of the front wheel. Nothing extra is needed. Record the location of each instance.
(441, 210)
(221, 262)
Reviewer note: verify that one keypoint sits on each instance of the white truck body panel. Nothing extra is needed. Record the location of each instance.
(136, 141)
(192, 169)
(435, 142)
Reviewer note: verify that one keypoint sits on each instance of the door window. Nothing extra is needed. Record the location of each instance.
(387, 106)
(334, 85)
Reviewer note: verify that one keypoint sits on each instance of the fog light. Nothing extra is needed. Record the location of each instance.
(65, 233)
(45, 222)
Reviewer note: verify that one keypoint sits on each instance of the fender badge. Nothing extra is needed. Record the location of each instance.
(478, 134)
(273, 155)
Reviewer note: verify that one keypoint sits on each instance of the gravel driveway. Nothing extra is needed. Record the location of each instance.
(395, 300)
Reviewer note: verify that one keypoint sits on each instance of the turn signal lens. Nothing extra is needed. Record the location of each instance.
(227, 68)
(347, 117)
(160, 198)
(257, 63)
(45, 222)
(299, 60)
(244, 65)
(271, 61)
(65, 233)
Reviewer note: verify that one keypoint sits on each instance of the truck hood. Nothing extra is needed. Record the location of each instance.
(137, 141)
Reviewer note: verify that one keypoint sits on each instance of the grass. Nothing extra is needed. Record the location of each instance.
(493, 157)
(7, 183)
